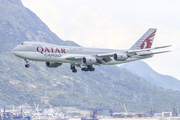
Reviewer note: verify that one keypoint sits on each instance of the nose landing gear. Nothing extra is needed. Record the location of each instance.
(27, 65)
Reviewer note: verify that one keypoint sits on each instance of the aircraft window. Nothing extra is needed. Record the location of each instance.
(27, 44)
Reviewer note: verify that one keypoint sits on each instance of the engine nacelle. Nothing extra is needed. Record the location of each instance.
(89, 60)
(53, 64)
(120, 57)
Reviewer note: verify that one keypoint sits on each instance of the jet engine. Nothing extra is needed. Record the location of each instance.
(89, 60)
(120, 56)
(53, 64)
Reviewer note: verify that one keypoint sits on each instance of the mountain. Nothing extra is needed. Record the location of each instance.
(59, 86)
(143, 70)
(18, 24)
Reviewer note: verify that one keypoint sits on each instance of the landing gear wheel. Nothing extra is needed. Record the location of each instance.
(83, 69)
(74, 71)
(73, 68)
(92, 69)
(27, 65)
(89, 68)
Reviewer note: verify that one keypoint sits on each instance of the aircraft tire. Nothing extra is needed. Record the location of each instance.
(91, 69)
(74, 70)
(27, 65)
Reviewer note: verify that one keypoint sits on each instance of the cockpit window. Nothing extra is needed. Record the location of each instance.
(26, 44)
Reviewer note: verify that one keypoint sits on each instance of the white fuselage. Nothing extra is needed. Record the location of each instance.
(39, 51)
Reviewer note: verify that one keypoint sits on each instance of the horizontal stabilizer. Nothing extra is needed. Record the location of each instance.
(140, 50)
(163, 47)
(153, 53)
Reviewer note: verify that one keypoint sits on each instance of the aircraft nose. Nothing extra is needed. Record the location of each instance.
(14, 51)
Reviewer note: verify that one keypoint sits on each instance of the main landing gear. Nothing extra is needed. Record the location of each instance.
(74, 70)
(27, 65)
(89, 68)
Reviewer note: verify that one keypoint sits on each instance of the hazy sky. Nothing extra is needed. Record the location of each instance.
(116, 24)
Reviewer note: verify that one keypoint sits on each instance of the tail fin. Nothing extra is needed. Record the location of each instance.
(145, 41)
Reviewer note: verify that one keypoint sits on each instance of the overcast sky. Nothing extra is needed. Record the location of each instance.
(116, 24)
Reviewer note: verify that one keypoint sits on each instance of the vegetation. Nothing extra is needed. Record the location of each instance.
(143, 70)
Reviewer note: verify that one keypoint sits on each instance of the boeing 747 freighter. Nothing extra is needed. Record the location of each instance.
(55, 55)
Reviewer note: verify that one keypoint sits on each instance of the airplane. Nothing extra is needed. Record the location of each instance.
(84, 57)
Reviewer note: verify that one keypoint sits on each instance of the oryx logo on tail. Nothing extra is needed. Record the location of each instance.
(148, 41)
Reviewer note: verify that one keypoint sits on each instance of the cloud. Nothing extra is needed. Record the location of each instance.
(96, 28)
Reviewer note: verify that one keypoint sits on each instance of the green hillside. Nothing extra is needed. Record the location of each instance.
(61, 87)
(143, 70)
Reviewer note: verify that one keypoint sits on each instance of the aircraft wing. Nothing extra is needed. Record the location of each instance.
(101, 58)
(109, 55)
(105, 55)
(104, 58)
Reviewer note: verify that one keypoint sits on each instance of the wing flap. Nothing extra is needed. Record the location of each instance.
(104, 58)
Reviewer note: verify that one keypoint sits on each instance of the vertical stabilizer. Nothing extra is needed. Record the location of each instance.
(146, 40)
